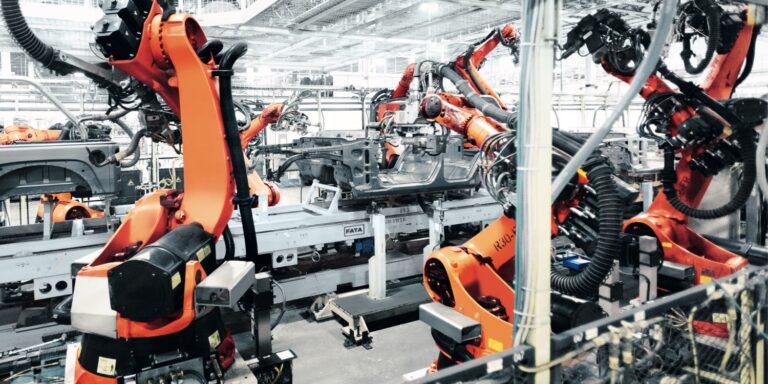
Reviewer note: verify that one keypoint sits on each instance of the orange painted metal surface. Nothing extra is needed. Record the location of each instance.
(167, 62)
(268, 116)
(458, 116)
(679, 242)
(24, 133)
(508, 33)
(65, 208)
(85, 376)
(257, 186)
(405, 82)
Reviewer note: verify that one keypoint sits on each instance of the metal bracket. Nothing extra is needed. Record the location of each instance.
(450, 323)
(226, 285)
(315, 189)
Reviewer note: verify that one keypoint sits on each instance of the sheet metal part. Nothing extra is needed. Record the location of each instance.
(56, 167)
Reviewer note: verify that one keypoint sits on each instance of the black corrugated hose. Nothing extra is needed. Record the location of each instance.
(26, 39)
(669, 178)
(243, 198)
(600, 175)
(477, 101)
(713, 13)
(586, 283)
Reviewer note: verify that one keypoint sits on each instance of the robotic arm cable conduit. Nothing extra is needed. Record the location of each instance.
(703, 131)
(643, 71)
(599, 175)
(473, 278)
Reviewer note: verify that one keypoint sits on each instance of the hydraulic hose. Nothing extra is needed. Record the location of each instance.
(242, 199)
(643, 71)
(669, 178)
(712, 10)
(762, 179)
(375, 103)
(128, 131)
(136, 155)
(277, 175)
(26, 39)
(586, 283)
(756, 254)
(114, 117)
(474, 99)
(132, 149)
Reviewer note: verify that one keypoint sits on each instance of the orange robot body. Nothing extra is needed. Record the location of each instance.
(258, 187)
(467, 64)
(167, 61)
(679, 242)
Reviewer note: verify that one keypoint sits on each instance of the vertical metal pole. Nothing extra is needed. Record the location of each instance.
(377, 265)
(534, 176)
(320, 117)
(754, 219)
(436, 229)
(47, 219)
(155, 167)
(646, 188)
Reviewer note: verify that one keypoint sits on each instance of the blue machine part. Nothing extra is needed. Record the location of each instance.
(576, 263)
(364, 246)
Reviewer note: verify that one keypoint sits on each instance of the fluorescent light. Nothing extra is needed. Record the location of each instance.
(429, 6)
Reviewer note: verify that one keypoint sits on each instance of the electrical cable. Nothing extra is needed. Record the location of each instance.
(712, 14)
(282, 307)
(748, 157)
(585, 283)
(242, 199)
(229, 244)
(643, 71)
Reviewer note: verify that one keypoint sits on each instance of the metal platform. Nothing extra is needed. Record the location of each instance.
(280, 230)
(358, 309)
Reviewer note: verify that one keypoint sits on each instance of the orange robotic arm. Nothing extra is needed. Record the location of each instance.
(257, 186)
(467, 64)
(679, 242)
(472, 278)
(268, 116)
(454, 113)
(168, 59)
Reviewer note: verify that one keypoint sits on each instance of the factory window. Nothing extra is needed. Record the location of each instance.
(19, 64)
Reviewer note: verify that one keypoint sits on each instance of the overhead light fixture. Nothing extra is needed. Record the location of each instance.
(429, 6)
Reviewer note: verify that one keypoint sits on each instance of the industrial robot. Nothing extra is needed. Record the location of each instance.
(700, 128)
(474, 278)
(146, 303)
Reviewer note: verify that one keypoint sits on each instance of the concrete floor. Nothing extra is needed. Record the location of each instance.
(323, 359)
(322, 356)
